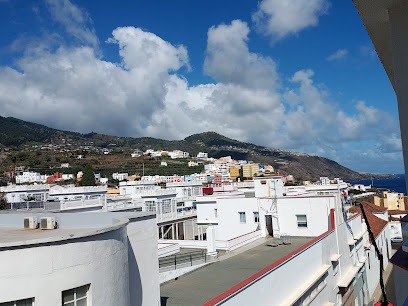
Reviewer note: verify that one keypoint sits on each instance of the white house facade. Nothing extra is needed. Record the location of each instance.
(109, 259)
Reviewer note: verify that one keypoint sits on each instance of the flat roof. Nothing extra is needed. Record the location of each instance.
(71, 226)
(203, 284)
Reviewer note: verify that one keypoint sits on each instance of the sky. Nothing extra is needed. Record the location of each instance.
(299, 75)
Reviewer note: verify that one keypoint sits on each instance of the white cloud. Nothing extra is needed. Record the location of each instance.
(73, 89)
(279, 19)
(76, 21)
(228, 59)
(339, 54)
(144, 95)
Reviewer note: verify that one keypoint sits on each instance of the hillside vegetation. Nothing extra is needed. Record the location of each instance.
(45, 148)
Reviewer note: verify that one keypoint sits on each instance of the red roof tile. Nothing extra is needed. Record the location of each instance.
(397, 212)
(376, 224)
(373, 208)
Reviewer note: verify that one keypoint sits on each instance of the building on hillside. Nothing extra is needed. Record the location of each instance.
(120, 176)
(136, 154)
(178, 154)
(192, 163)
(211, 168)
(324, 180)
(30, 177)
(234, 173)
(269, 169)
(249, 170)
(79, 259)
(202, 155)
(361, 187)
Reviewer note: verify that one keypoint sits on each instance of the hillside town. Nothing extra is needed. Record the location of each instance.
(224, 169)
(182, 230)
(89, 224)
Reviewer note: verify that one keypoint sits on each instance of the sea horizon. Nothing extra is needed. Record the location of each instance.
(397, 183)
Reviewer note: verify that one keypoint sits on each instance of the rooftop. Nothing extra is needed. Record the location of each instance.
(220, 276)
(71, 226)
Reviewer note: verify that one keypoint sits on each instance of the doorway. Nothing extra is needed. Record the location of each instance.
(268, 222)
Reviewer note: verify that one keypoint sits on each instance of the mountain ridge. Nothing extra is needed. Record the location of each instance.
(22, 134)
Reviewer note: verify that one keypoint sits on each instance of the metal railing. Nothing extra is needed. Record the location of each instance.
(177, 261)
(26, 205)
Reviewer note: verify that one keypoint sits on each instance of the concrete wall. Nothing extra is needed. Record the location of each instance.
(143, 261)
(301, 270)
(206, 213)
(229, 225)
(316, 209)
(44, 271)
(373, 264)
(318, 272)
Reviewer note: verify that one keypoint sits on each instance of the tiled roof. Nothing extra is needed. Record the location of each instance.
(373, 208)
(376, 224)
(397, 212)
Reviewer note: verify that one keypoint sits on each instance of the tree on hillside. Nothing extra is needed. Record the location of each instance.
(3, 201)
(88, 177)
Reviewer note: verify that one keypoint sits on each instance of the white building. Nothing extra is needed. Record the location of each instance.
(211, 167)
(21, 193)
(30, 177)
(67, 177)
(109, 259)
(338, 267)
(178, 154)
(120, 176)
(324, 180)
(265, 210)
(202, 155)
(192, 163)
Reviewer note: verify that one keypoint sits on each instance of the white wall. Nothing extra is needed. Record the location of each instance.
(372, 263)
(143, 262)
(316, 209)
(206, 212)
(314, 278)
(44, 271)
(229, 225)
(300, 270)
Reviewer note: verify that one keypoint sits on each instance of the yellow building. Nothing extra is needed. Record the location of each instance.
(390, 200)
(249, 170)
(233, 172)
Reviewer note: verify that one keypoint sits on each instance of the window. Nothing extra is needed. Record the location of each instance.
(150, 205)
(166, 206)
(25, 302)
(215, 212)
(256, 217)
(242, 217)
(301, 220)
(76, 297)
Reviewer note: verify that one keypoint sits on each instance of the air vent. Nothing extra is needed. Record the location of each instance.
(30, 222)
(48, 223)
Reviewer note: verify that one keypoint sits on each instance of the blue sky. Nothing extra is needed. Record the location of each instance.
(294, 75)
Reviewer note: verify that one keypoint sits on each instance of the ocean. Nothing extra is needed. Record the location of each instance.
(396, 183)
